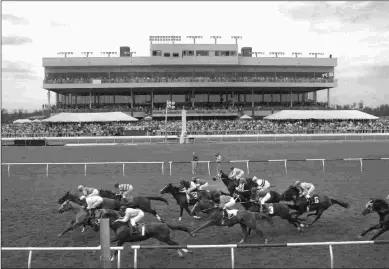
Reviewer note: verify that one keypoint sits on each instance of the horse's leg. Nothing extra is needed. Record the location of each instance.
(374, 227)
(169, 241)
(119, 244)
(189, 213)
(208, 223)
(74, 225)
(245, 234)
(181, 212)
(318, 215)
(381, 231)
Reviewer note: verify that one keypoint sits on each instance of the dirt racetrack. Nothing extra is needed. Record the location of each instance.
(30, 210)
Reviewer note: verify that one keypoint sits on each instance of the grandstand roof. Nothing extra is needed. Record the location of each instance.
(320, 115)
(90, 117)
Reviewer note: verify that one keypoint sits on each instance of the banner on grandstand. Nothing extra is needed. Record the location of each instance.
(96, 81)
(183, 125)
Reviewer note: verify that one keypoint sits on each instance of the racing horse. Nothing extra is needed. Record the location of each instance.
(382, 208)
(317, 203)
(140, 202)
(123, 233)
(181, 199)
(231, 185)
(245, 218)
(82, 217)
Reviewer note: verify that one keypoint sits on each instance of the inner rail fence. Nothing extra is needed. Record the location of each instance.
(232, 247)
(195, 164)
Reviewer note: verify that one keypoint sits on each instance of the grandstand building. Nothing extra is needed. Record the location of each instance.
(219, 77)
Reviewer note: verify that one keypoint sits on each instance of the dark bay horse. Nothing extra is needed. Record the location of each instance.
(182, 200)
(123, 233)
(317, 203)
(245, 218)
(381, 207)
(141, 202)
(82, 217)
(111, 202)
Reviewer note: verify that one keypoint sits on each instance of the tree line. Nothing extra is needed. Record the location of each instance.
(10, 116)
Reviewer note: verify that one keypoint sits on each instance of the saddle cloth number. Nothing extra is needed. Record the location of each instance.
(271, 209)
(316, 200)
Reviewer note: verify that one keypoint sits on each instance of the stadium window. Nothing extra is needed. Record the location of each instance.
(157, 53)
(166, 54)
(176, 55)
(202, 53)
(187, 52)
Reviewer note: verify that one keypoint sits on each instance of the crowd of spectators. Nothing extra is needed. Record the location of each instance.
(199, 107)
(193, 127)
(130, 79)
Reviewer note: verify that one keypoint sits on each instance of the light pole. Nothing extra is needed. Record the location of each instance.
(194, 37)
(172, 38)
(236, 38)
(65, 53)
(256, 53)
(216, 38)
(296, 54)
(87, 53)
(169, 105)
(316, 53)
(277, 53)
(108, 53)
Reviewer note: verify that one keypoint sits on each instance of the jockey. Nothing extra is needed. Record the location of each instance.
(262, 197)
(125, 191)
(225, 202)
(188, 187)
(134, 215)
(93, 202)
(236, 174)
(87, 191)
(201, 184)
(262, 184)
(305, 190)
(240, 187)
(387, 198)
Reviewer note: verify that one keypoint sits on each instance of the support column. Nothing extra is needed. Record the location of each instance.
(75, 99)
(281, 98)
(304, 97)
(171, 97)
(56, 98)
(291, 99)
(252, 102)
(245, 99)
(193, 99)
(90, 99)
(208, 97)
(315, 97)
(48, 100)
(132, 99)
(233, 99)
(263, 97)
(152, 100)
(328, 98)
(114, 97)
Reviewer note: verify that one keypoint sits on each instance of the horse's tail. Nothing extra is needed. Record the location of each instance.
(341, 203)
(157, 198)
(178, 227)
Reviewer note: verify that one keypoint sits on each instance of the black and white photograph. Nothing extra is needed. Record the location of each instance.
(195, 134)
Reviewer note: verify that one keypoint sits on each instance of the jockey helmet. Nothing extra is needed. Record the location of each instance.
(232, 168)
(297, 183)
(116, 185)
(255, 178)
(81, 188)
(122, 208)
(194, 179)
(217, 154)
(82, 197)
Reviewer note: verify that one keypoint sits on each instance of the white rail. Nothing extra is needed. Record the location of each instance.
(31, 249)
(233, 246)
(123, 163)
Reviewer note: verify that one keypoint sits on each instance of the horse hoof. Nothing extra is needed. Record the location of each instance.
(59, 235)
(241, 242)
(360, 237)
(196, 217)
(179, 219)
(193, 234)
(112, 258)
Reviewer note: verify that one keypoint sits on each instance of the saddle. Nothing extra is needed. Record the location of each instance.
(227, 215)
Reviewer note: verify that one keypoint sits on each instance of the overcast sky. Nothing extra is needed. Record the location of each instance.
(357, 33)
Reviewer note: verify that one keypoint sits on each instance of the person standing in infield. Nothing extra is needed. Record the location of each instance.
(195, 159)
(218, 161)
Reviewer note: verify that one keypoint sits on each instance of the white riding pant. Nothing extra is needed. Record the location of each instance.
(203, 187)
(239, 176)
(93, 201)
(137, 218)
(307, 193)
(95, 192)
(265, 198)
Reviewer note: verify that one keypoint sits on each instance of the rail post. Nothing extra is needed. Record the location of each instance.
(105, 243)
(248, 169)
(136, 257)
(170, 168)
(119, 258)
(163, 172)
(85, 170)
(29, 259)
(361, 164)
(323, 164)
(286, 168)
(123, 169)
(9, 173)
(331, 256)
(47, 170)
(209, 168)
(232, 258)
